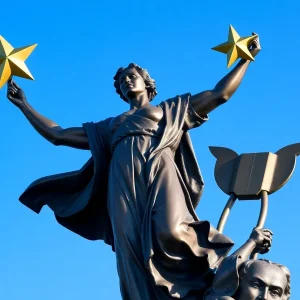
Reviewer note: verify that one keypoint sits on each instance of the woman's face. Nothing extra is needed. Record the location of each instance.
(131, 83)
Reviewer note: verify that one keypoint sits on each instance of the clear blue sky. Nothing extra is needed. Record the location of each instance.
(79, 49)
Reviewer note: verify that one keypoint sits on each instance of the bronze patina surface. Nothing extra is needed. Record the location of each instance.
(139, 190)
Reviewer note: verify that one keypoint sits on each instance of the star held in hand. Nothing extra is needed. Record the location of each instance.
(236, 47)
(12, 61)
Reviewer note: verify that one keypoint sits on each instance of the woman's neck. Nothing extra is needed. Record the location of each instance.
(138, 101)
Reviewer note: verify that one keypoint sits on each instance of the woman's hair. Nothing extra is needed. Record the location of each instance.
(287, 292)
(149, 82)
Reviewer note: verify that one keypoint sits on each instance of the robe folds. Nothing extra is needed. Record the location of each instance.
(226, 280)
(138, 193)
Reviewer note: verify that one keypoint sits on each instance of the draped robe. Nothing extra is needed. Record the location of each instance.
(138, 193)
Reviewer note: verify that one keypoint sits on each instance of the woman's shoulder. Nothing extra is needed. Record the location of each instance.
(178, 99)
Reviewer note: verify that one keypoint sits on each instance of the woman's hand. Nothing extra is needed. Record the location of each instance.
(262, 239)
(255, 46)
(15, 94)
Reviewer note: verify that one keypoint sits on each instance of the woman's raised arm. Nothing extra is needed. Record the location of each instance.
(73, 137)
(206, 101)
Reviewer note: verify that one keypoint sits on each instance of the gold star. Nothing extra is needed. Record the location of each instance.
(236, 47)
(12, 61)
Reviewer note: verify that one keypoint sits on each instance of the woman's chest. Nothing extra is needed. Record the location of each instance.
(152, 113)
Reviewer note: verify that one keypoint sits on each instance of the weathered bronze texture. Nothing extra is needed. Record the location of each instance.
(12, 61)
(139, 190)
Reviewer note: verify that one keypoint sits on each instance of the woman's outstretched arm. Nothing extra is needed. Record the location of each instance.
(73, 137)
(207, 101)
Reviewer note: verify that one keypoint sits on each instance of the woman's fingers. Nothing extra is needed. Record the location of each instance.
(12, 89)
(12, 83)
(255, 44)
(15, 85)
(11, 92)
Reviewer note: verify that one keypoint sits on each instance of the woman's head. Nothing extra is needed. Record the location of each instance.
(131, 71)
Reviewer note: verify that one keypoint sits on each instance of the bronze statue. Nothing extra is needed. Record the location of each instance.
(242, 279)
(139, 190)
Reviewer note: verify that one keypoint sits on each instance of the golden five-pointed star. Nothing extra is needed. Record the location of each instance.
(12, 61)
(236, 47)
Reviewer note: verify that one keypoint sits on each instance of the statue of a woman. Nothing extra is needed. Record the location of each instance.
(139, 190)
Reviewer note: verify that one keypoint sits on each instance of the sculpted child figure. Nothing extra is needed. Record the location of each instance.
(139, 190)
